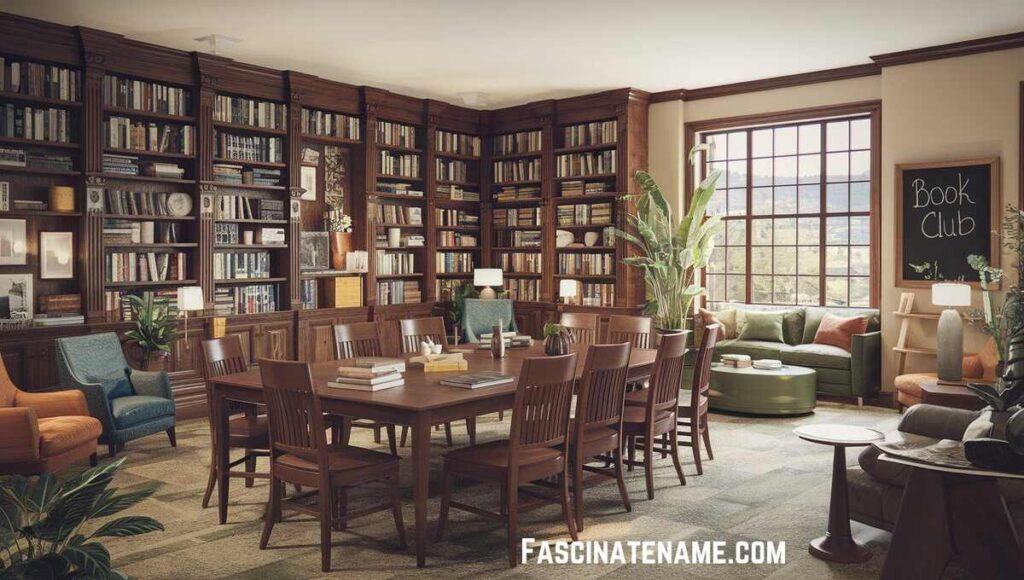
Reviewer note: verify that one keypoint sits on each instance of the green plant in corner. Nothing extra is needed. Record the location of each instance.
(49, 530)
(155, 325)
(457, 305)
(670, 255)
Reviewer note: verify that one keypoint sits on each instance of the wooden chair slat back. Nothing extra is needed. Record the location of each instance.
(224, 356)
(357, 339)
(540, 415)
(416, 330)
(602, 388)
(635, 330)
(702, 365)
(667, 374)
(582, 328)
(293, 409)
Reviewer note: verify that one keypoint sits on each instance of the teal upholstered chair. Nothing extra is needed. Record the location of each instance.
(129, 403)
(481, 315)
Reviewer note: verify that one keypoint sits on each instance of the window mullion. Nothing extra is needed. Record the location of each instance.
(822, 212)
(748, 285)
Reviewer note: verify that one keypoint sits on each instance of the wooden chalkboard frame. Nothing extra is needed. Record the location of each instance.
(996, 212)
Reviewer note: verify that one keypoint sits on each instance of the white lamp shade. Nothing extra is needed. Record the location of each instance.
(951, 294)
(487, 277)
(568, 288)
(190, 298)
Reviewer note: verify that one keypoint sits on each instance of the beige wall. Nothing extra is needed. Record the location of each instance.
(947, 109)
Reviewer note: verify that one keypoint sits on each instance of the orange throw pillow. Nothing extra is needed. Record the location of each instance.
(972, 367)
(838, 331)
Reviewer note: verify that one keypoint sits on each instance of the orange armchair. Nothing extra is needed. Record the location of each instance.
(43, 432)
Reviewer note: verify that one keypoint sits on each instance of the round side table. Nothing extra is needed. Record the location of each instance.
(837, 545)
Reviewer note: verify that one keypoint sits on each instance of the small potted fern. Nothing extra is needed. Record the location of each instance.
(155, 330)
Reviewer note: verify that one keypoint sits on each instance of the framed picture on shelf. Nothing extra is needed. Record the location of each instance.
(16, 296)
(56, 255)
(310, 156)
(12, 242)
(315, 251)
(308, 182)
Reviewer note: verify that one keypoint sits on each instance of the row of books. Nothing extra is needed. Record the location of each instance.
(456, 217)
(145, 266)
(251, 112)
(450, 238)
(517, 192)
(398, 292)
(517, 216)
(41, 124)
(250, 299)
(597, 294)
(517, 170)
(576, 188)
(241, 265)
(248, 147)
(595, 133)
(452, 170)
(457, 143)
(402, 164)
(405, 240)
(398, 188)
(584, 164)
(522, 142)
(40, 80)
(521, 262)
(316, 122)
(145, 96)
(457, 193)
(523, 289)
(36, 160)
(452, 262)
(601, 264)
(396, 134)
(126, 232)
(518, 238)
(124, 202)
(241, 207)
(388, 213)
(391, 263)
(125, 133)
(584, 214)
(238, 174)
(309, 294)
(116, 302)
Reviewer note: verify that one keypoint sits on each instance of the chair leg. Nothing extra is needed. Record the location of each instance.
(617, 456)
(630, 452)
(471, 429)
(570, 522)
(211, 483)
(707, 439)
(664, 444)
(675, 459)
(376, 434)
(577, 494)
(405, 434)
(512, 523)
(501, 415)
(695, 445)
(250, 466)
(111, 450)
(649, 464)
(392, 440)
(326, 509)
(273, 512)
(446, 499)
(396, 502)
(346, 430)
(448, 433)
(340, 503)
(172, 437)
(93, 460)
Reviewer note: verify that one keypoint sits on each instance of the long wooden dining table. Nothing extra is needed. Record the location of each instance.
(420, 403)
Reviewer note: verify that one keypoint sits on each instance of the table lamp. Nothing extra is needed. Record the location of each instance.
(189, 298)
(487, 277)
(567, 290)
(950, 337)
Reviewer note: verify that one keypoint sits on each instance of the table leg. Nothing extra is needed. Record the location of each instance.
(220, 426)
(421, 483)
(837, 545)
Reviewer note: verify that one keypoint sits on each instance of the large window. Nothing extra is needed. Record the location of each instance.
(797, 202)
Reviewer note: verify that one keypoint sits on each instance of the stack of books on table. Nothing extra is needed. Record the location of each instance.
(441, 363)
(478, 380)
(510, 337)
(736, 361)
(767, 364)
(370, 374)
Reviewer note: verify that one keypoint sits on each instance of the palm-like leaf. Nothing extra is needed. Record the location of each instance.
(128, 526)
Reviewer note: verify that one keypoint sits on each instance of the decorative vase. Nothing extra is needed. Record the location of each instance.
(497, 341)
(557, 344)
(62, 199)
(341, 245)
(155, 362)
(590, 238)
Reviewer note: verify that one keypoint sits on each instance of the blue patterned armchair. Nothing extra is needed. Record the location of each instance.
(129, 403)
(481, 315)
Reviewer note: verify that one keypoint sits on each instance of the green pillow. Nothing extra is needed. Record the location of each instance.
(812, 320)
(793, 326)
(762, 326)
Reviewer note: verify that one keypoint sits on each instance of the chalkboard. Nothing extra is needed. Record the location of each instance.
(946, 212)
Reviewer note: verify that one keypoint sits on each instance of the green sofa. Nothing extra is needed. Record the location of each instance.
(850, 374)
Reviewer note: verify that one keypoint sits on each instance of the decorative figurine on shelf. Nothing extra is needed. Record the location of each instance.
(497, 340)
(556, 340)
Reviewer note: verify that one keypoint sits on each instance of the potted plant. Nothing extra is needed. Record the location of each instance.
(457, 308)
(49, 530)
(155, 329)
(339, 226)
(556, 339)
(669, 254)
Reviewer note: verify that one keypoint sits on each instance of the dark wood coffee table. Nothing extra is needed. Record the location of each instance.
(946, 395)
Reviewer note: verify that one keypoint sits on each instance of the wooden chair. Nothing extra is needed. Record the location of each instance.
(534, 451)
(355, 340)
(692, 418)
(299, 454)
(658, 414)
(596, 430)
(582, 328)
(415, 331)
(635, 330)
(224, 356)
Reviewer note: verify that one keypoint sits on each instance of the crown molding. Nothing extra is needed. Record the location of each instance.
(990, 44)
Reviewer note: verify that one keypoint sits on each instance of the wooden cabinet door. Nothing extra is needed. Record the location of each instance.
(274, 340)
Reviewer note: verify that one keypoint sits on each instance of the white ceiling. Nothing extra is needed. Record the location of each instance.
(514, 51)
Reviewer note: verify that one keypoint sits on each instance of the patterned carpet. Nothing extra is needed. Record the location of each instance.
(764, 484)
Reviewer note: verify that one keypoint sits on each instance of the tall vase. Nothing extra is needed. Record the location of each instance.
(341, 245)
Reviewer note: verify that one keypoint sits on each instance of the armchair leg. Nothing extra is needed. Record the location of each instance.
(93, 460)
(112, 450)
(173, 437)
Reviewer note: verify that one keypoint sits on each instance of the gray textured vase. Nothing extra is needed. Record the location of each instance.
(950, 346)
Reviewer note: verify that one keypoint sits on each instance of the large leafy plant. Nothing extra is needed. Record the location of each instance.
(49, 530)
(1008, 391)
(155, 324)
(457, 305)
(671, 254)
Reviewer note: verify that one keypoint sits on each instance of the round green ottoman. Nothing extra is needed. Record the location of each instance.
(786, 391)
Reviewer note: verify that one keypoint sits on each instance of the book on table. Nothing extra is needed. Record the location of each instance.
(478, 380)
(377, 364)
(371, 385)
